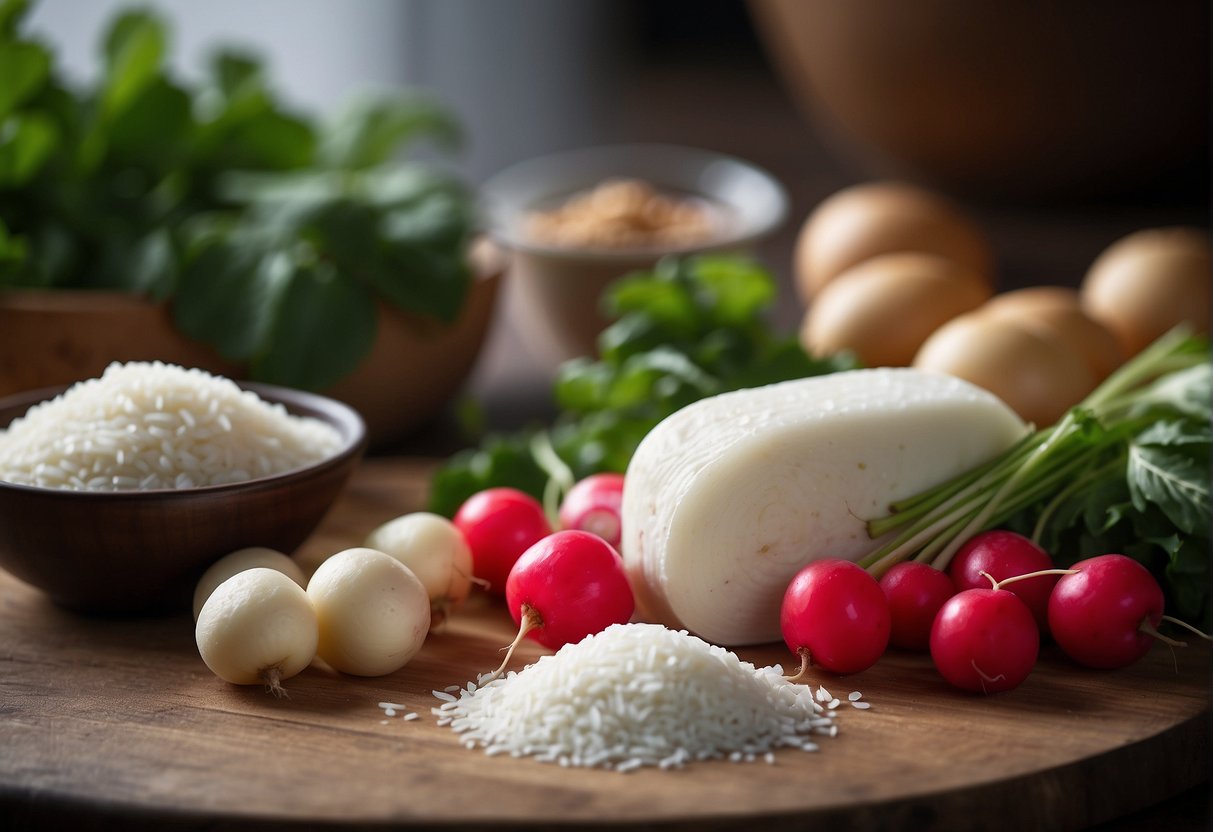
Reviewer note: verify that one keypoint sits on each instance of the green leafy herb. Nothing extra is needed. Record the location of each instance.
(268, 232)
(691, 328)
(1125, 471)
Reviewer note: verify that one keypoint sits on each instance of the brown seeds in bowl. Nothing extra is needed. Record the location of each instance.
(624, 213)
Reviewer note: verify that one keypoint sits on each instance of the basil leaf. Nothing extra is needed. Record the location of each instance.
(371, 131)
(27, 141)
(11, 13)
(1169, 466)
(1187, 578)
(151, 127)
(1188, 392)
(324, 326)
(134, 49)
(734, 289)
(24, 68)
(152, 267)
(226, 295)
(235, 72)
(13, 254)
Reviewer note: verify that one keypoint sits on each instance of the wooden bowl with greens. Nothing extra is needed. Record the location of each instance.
(210, 224)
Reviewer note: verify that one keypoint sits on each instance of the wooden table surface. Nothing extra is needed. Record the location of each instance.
(117, 724)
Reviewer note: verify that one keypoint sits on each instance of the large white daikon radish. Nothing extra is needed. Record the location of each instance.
(728, 498)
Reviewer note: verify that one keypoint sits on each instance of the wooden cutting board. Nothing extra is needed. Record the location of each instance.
(118, 724)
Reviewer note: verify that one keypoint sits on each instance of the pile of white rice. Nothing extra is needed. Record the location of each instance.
(151, 425)
(636, 695)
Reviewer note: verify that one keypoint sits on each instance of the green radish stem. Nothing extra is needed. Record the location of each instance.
(932, 525)
(560, 476)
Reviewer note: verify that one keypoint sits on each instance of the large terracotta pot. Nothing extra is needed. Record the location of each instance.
(416, 365)
(1034, 99)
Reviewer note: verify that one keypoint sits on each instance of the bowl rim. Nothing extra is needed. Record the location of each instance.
(496, 207)
(348, 423)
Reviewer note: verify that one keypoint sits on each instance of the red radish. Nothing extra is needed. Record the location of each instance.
(594, 505)
(499, 524)
(984, 640)
(835, 615)
(567, 586)
(915, 591)
(1105, 615)
(1003, 554)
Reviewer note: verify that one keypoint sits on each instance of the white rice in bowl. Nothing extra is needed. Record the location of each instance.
(148, 425)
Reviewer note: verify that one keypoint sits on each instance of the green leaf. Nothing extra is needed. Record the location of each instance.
(1187, 574)
(134, 49)
(1169, 466)
(666, 303)
(153, 265)
(226, 296)
(663, 373)
(27, 141)
(582, 384)
(12, 12)
(499, 460)
(734, 289)
(323, 328)
(24, 67)
(1189, 392)
(372, 131)
(272, 140)
(150, 130)
(13, 254)
(236, 72)
(438, 220)
(422, 279)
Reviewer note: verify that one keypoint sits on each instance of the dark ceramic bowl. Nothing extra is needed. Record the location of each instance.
(142, 551)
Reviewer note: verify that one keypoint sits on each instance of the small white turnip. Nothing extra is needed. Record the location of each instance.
(238, 561)
(437, 554)
(373, 612)
(257, 627)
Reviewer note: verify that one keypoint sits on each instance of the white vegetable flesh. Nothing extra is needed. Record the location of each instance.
(729, 497)
(436, 552)
(238, 561)
(373, 611)
(257, 627)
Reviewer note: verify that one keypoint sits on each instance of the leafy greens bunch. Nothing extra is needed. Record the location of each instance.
(690, 328)
(273, 236)
(1127, 470)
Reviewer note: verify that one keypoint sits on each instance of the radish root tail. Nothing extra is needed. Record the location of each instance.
(272, 676)
(1148, 628)
(1188, 627)
(530, 620)
(802, 674)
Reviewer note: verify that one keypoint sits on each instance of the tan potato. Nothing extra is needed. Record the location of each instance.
(1149, 282)
(1034, 299)
(1059, 310)
(865, 221)
(884, 308)
(1039, 376)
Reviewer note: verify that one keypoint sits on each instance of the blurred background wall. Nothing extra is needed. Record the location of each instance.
(524, 76)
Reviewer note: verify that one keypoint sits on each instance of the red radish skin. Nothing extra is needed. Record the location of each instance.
(567, 586)
(1104, 616)
(984, 640)
(915, 592)
(500, 524)
(595, 504)
(835, 615)
(1004, 554)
